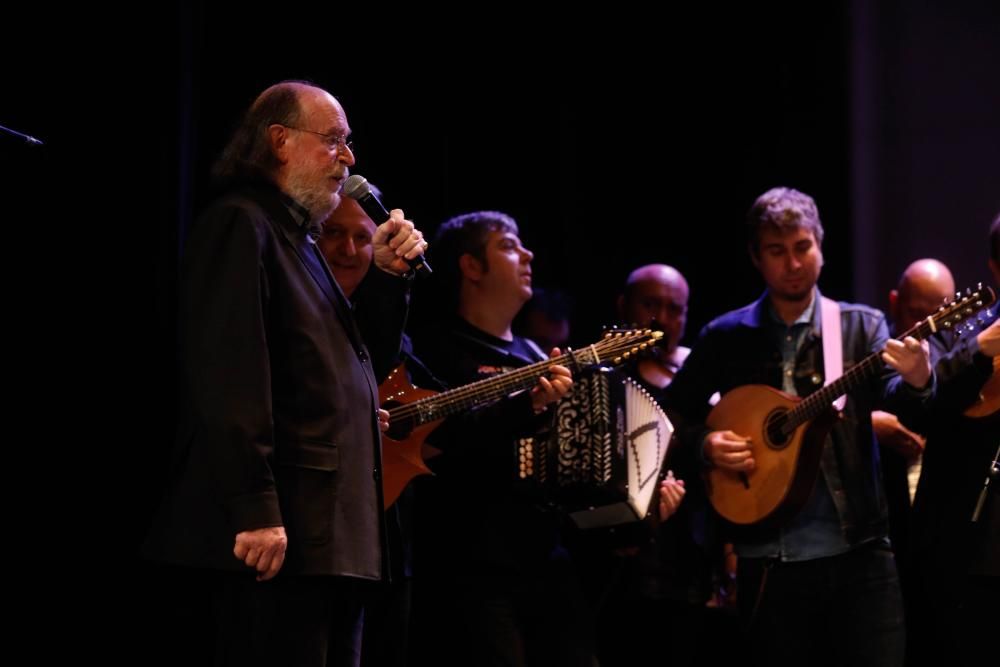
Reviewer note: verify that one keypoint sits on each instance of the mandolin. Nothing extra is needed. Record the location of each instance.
(787, 432)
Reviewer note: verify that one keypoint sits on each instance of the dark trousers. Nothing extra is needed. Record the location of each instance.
(387, 625)
(300, 621)
(842, 610)
(651, 632)
(503, 621)
(953, 614)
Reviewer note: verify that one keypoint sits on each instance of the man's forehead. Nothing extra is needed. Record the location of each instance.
(770, 236)
(502, 235)
(350, 214)
(670, 291)
(352, 224)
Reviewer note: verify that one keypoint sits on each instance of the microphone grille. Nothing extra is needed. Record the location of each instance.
(356, 186)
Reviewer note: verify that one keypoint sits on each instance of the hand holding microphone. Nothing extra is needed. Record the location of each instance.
(410, 244)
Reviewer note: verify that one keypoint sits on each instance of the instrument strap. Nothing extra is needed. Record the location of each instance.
(833, 352)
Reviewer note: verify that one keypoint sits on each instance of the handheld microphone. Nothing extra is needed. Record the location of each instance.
(357, 188)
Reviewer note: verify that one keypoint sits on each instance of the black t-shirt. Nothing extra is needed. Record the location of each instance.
(473, 514)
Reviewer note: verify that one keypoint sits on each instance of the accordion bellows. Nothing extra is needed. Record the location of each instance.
(603, 460)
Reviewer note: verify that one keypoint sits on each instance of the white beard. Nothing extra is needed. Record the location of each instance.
(303, 188)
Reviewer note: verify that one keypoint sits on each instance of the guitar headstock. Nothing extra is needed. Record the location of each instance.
(620, 344)
(962, 307)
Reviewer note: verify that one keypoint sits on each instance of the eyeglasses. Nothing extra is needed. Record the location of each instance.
(333, 140)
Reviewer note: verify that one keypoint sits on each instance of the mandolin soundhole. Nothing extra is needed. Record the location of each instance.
(775, 436)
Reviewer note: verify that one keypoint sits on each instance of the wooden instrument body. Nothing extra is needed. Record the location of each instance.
(785, 470)
(402, 456)
(989, 395)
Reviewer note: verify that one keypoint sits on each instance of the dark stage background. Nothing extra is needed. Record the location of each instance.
(622, 142)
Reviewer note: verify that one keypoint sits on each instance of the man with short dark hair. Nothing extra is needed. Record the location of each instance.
(490, 566)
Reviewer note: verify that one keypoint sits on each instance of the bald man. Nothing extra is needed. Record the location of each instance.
(922, 288)
(658, 294)
(663, 576)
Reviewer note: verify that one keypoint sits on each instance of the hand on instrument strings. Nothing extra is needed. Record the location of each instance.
(912, 360)
(728, 450)
(550, 389)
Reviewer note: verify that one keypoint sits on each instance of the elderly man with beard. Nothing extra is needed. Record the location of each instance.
(274, 483)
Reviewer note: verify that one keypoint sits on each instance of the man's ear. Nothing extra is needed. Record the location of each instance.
(471, 268)
(277, 137)
(894, 305)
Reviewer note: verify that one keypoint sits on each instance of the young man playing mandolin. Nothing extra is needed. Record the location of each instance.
(817, 579)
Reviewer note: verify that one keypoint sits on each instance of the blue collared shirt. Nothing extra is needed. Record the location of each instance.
(815, 531)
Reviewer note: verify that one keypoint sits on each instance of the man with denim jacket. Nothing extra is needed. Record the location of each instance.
(823, 586)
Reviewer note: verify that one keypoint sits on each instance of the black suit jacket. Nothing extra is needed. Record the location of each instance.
(277, 414)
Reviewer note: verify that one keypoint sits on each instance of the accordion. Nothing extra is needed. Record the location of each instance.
(601, 462)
